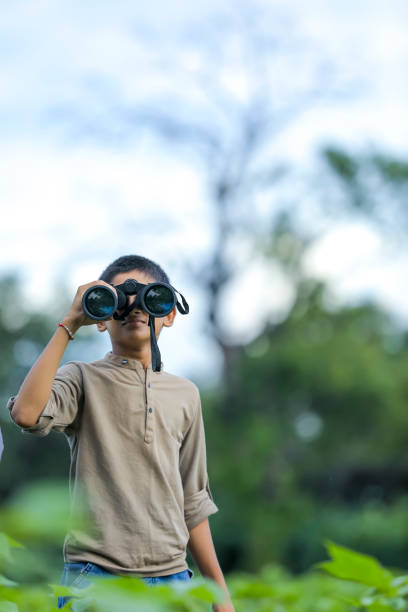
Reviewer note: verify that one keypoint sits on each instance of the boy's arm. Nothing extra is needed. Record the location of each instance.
(36, 388)
(202, 550)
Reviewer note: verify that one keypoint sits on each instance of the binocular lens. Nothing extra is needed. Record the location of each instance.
(100, 302)
(159, 300)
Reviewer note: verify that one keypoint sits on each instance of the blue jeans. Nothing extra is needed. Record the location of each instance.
(79, 575)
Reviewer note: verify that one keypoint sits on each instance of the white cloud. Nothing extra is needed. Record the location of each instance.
(358, 263)
(259, 294)
(343, 250)
(61, 203)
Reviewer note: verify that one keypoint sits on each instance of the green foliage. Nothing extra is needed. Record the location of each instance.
(386, 592)
(27, 512)
(374, 185)
(350, 565)
(272, 589)
(346, 166)
(364, 585)
(393, 170)
(319, 431)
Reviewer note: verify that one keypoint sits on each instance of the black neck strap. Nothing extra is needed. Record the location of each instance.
(156, 357)
(186, 308)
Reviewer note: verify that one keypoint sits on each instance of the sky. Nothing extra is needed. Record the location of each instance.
(83, 183)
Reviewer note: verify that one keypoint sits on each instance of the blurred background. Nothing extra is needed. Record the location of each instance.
(256, 150)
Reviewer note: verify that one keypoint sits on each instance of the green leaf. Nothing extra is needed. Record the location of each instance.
(8, 606)
(350, 565)
(380, 606)
(351, 601)
(6, 544)
(255, 590)
(6, 582)
(40, 511)
(59, 590)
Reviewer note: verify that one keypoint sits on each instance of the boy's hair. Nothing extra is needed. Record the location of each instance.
(134, 262)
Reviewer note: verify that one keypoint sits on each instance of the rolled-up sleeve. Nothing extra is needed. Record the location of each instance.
(62, 411)
(198, 500)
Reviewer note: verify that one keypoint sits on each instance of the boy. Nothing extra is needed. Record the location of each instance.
(137, 446)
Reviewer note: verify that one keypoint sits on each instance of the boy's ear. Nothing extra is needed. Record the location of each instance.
(101, 325)
(168, 320)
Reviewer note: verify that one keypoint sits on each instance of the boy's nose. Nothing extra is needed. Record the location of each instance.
(136, 308)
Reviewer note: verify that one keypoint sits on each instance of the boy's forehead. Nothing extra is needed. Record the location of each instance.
(138, 275)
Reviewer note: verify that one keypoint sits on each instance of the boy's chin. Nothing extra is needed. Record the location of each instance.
(136, 337)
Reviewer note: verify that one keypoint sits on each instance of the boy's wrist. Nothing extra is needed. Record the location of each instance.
(72, 324)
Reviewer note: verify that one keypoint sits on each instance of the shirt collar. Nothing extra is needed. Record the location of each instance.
(126, 362)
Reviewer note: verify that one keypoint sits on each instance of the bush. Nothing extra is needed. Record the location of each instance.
(348, 581)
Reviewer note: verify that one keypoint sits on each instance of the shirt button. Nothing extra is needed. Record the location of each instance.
(150, 409)
(124, 361)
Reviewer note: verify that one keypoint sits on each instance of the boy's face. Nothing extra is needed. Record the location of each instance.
(134, 331)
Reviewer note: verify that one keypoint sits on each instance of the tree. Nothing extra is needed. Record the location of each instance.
(371, 184)
(228, 116)
(319, 431)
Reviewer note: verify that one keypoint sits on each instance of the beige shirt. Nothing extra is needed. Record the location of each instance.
(138, 454)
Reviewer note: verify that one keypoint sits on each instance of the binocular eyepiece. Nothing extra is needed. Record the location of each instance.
(157, 299)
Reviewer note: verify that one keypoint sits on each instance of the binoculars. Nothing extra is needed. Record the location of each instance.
(157, 299)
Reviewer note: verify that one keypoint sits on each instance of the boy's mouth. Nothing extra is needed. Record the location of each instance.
(136, 322)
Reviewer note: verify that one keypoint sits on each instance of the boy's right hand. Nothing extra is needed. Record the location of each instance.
(76, 317)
